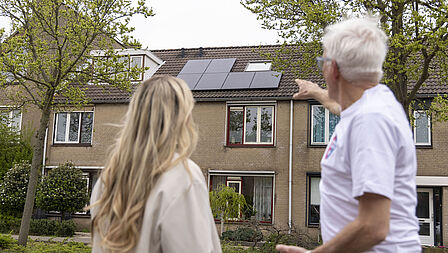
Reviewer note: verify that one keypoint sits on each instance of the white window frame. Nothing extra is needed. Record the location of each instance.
(243, 108)
(10, 110)
(232, 174)
(234, 180)
(327, 126)
(141, 63)
(258, 66)
(415, 129)
(67, 128)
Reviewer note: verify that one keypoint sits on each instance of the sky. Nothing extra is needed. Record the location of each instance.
(197, 23)
(200, 23)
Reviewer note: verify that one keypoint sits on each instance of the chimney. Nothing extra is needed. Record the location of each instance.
(201, 51)
(182, 52)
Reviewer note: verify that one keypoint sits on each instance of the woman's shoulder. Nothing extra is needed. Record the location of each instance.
(187, 172)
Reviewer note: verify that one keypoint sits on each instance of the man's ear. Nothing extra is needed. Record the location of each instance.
(335, 70)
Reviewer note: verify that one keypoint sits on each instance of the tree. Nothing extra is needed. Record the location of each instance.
(49, 54)
(15, 146)
(64, 189)
(13, 189)
(417, 33)
(226, 204)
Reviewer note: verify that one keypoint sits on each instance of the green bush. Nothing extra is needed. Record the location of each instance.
(6, 241)
(43, 227)
(9, 224)
(64, 189)
(13, 189)
(52, 227)
(43, 247)
(242, 234)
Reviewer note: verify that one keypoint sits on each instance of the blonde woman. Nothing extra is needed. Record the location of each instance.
(151, 196)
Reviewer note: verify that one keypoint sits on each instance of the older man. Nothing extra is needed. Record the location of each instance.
(368, 190)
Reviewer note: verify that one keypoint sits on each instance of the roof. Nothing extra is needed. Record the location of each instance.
(175, 59)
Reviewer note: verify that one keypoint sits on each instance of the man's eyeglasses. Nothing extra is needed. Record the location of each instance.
(320, 61)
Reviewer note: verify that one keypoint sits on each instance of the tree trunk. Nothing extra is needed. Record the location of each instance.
(36, 165)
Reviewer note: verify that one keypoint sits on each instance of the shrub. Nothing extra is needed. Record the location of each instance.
(13, 189)
(44, 227)
(52, 228)
(243, 234)
(64, 189)
(6, 241)
(9, 224)
(53, 247)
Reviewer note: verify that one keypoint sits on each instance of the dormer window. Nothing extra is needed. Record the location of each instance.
(258, 66)
(137, 61)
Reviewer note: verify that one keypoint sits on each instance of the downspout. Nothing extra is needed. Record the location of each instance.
(291, 110)
(45, 152)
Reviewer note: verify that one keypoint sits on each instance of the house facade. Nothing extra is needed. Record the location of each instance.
(252, 137)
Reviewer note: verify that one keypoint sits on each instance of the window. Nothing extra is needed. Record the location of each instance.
(256, 189)
(314, 200)
(11, 117)
(251, 124)
(73, 127)
(137, 61)
(422, 128)
(258, 66)
(323, 123)
(90, 177)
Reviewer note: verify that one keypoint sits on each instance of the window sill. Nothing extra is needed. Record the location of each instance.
(423, 146)
(71, 145)
(317, 145)
(250, 146)
(313, 225)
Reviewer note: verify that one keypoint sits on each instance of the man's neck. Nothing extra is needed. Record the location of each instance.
(350, 92)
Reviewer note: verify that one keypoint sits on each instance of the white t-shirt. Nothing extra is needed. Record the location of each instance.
(371, 150)
(177, 216)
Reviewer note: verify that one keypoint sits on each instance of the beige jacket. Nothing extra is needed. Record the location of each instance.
(177, 215)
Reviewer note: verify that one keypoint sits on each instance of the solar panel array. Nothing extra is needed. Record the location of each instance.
(214, 74)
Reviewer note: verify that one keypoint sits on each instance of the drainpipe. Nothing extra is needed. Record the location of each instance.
(290, 166)
(45, 151)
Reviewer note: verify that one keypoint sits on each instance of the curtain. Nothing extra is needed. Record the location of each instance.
(263, 198)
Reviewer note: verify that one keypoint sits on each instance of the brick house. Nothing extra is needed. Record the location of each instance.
(253, 137)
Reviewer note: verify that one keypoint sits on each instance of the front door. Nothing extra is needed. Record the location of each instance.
(425, 214)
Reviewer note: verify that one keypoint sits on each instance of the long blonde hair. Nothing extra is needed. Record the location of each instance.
(157, 125)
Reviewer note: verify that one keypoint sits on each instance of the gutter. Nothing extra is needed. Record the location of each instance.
(290, 166)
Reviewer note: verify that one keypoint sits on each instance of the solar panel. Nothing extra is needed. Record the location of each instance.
(211, 81)
(266, 79)
(190, 79)
(238, 80)
(220, 65)
(195, 66)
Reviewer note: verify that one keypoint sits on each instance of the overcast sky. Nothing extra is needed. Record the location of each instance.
(198, 23)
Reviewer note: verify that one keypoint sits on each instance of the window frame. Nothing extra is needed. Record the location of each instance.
(258, 143)
(268, 67)
(429, 127)
(67, 126)
(142, 66)
(309, 176)
(327, 126)
(10, 110)
(233, 174)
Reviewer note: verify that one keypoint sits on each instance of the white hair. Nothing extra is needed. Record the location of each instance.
(359, 48)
